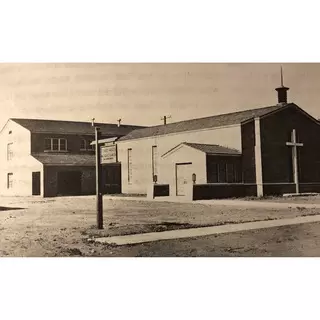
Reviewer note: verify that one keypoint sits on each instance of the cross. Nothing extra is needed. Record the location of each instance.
(294, 144)
(119, 122)
(165, 119)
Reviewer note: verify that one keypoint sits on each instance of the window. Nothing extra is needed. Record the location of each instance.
(10, 180)
(230, 173)
(129, 165)
(55, 144)
(9, 151)
(63, 144)
(154, 161)
(213, 172)
(83, 145)
(47, 144)
(222, 173)
(224, 170)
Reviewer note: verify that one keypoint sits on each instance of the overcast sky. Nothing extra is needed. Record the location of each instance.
(143, 93)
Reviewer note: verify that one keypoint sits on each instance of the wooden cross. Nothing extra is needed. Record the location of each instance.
(294, 144)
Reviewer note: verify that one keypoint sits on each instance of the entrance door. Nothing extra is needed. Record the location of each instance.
(112, 178)
(183, 177)
(36, 183)
(69, 183)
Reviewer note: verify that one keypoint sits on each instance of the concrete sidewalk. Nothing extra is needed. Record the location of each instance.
(205, 231)
(222, 202)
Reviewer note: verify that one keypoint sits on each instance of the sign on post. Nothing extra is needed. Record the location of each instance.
(108, 154)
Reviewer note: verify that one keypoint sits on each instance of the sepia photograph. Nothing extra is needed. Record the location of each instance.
(159, 160)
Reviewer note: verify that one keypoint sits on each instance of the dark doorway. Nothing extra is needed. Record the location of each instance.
(69, 183)
(36, 183)
(111, 178)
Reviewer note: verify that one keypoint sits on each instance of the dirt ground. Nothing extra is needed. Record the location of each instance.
(60, 227)
(315, 199)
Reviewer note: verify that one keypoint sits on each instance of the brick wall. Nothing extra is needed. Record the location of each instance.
(51, 179)
(248, 156)
(276, 156)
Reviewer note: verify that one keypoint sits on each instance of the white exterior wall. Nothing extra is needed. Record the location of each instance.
(142, 155)
(21, 165)
(179, 155)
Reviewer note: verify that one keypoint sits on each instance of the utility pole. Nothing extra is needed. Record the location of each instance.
(99, 202)
(165, 119)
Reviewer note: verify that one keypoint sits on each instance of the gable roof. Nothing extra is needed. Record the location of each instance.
(213, 148)
(65, 159)
(233, 118)
(73, 127)
(210, 149)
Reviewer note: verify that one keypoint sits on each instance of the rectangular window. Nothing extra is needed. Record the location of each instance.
(9, 151)
(47, 144)
(129, 165)
(10, 180)
(154, 161)
(222, 173)
(83, 145)
(213, 173)
(55, 144)
(230, 173)
(62, 144)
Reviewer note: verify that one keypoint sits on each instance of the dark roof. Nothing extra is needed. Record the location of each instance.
(66, 159)
(73, 127)
(201, 123)
(210, 149)
(213, 148)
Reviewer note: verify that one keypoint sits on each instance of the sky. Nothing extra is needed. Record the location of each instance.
(143, 93)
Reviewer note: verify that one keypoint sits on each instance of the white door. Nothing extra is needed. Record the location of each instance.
(183, 177)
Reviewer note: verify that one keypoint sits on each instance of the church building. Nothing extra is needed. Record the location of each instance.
(54, 158)
(265, 151)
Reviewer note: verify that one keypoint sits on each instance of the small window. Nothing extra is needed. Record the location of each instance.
(10, 132)
(83, 145)
(55, 144)
(230, 173)
(222, 173)
(129, 165)
(10, 180)
(9, 151)
(47, 144)
(213, 173)
(154, 161)
(62, 144)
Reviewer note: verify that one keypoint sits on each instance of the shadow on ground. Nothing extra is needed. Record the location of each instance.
(10, 208)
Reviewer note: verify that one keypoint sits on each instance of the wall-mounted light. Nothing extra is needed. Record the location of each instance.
(155, 178)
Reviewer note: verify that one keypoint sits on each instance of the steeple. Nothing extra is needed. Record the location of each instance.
(282, 90)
